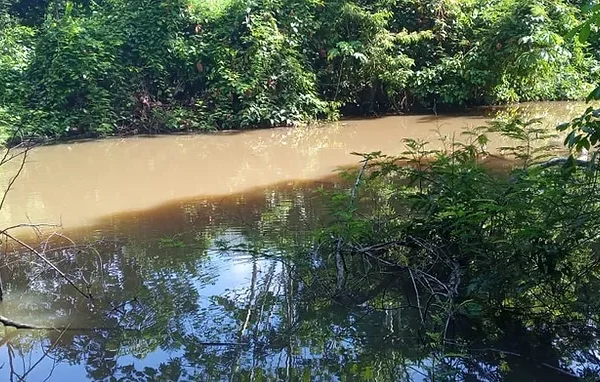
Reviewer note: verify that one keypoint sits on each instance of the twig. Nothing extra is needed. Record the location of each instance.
(389, 264)
(6, 158)
(417, 296)
(354, 191)
(43, 258)
(34, 226)
(14, 179)
(380, 246)
(45, 353)
(337, 89)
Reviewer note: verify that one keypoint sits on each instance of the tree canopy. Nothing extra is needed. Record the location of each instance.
(91, 68)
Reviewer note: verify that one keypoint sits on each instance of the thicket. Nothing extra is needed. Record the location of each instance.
(110, 66)
(477, 257)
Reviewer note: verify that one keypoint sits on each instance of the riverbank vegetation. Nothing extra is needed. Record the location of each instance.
(73, 68)
(505, 264)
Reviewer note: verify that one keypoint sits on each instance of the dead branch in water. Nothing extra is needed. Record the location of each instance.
(21, 151)
(428, 290)
(19, 325)
(45, 260)
(12, 181)
(562, 161)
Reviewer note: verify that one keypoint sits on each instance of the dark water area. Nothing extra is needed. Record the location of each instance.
(170, 303)
(194, 250)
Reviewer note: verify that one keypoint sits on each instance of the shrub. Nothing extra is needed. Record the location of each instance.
(465, 245)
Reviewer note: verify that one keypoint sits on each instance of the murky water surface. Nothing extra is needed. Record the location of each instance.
(149, 217)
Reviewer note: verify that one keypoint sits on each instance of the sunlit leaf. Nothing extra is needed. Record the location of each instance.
(584, 33)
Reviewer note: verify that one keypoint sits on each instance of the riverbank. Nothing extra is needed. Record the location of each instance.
(76, 182)
(95, 69)
(552, 112)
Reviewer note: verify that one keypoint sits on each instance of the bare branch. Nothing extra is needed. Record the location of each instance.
(45, 353)
(417, 296)
(14, 178)
(354, 191)
(36, 227)
(44, 259)
(18, 325)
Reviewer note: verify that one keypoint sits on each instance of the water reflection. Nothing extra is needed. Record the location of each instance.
(169, 304)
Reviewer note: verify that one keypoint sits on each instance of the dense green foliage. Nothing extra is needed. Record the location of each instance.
(475, 254)
(73, 68)
(455, 259)
(584, 131)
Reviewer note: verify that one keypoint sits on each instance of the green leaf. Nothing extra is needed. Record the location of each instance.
(585, 32)
(572, 33)
(589, 8)
(584, 144)
(594, 95)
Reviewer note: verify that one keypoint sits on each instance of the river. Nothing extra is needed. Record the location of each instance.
(144, 222)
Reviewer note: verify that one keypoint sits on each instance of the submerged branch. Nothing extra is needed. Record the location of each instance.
(21, 325)
(562, 161)
(44, 259)
(19, 171)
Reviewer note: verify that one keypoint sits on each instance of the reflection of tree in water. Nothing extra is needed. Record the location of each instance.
(177, 308)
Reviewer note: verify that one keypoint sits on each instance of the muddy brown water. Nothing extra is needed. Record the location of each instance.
(155, 212)
(74, 184)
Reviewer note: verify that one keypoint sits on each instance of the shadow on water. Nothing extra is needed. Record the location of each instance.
(170, 303)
